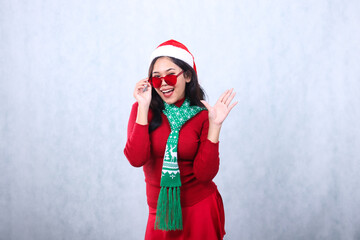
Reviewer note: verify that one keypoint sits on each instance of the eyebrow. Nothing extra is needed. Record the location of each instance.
(166, 70)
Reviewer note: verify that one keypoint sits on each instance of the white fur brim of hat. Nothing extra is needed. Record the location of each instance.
(172, 51)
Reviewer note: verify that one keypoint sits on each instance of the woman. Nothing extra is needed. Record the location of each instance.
(176, 141)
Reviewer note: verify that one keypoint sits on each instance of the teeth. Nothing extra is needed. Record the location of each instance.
(166, 91)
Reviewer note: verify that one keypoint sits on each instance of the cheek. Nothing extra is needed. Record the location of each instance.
(180, 85)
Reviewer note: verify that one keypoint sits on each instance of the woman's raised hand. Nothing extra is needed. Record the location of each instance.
(219, 112)
(142, 92)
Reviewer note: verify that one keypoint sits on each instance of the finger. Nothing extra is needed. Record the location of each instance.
(147, 87)
(227, 95)
(208, 107)
(222, 96)
(232, 105)
(139, 88)
(142, 82)
(230, 98)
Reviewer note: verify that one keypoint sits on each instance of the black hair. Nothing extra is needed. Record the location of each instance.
(193, 91)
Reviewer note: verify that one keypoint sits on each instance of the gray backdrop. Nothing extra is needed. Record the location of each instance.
(289, 150)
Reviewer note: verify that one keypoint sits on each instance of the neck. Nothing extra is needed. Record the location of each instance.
(179, 102)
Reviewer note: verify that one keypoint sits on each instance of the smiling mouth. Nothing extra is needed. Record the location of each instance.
(168, 92)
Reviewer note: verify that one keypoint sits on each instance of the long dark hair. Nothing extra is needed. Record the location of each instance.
(193, 91)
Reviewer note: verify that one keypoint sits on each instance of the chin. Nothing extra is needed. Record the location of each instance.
(170, 101)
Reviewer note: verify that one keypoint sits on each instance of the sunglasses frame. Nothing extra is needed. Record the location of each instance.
(159, 80)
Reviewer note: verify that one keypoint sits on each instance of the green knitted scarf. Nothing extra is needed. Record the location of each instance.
(168, 212)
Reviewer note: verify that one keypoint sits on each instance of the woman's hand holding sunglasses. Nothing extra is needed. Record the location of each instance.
(142, 93)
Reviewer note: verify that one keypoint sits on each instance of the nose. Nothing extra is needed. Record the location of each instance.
(163, 82)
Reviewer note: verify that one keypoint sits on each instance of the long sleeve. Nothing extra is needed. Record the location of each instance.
(137, 148)
(206, 162)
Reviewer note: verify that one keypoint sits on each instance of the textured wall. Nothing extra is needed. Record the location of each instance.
(290, 150)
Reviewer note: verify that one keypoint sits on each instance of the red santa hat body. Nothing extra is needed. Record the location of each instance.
(175, 49)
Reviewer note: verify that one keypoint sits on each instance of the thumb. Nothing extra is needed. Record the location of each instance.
(206, 104)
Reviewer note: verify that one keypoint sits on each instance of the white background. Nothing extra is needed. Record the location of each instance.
(290, 150)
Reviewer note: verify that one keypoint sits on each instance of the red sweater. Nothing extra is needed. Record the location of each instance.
(198, 157)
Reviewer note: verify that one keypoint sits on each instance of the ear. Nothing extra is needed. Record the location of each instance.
(187, 77)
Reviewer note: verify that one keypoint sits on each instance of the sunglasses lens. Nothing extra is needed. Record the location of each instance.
(156, 82)
(170, 79)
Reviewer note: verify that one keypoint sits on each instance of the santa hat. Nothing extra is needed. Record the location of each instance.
(172, 48)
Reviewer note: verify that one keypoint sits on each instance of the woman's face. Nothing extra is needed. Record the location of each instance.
(170, 94)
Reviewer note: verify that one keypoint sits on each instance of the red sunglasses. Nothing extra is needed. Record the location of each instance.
(169, 79)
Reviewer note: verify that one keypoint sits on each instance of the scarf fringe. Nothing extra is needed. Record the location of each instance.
(168, 213)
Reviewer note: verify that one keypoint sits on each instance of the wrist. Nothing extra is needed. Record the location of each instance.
(143, 106)
(215, 126)
(142, 115)
(214, 132)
